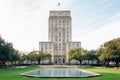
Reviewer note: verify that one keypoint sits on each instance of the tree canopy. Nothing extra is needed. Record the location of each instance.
(38, 56)
(110, 51)
(7, 52)
(76, 54)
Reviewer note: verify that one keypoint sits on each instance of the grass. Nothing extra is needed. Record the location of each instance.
(14, 74)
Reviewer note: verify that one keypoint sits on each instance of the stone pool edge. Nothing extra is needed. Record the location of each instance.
(89, 72)
(94, 74)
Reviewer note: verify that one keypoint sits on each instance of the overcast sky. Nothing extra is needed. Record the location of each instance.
(25, 22)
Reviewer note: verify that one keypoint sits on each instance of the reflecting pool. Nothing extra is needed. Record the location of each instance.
(60, 72)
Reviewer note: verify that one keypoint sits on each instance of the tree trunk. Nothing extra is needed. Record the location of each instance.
(98, 62)
(88, 62)
(69, 61)
(108, 65)
(92, 62)
(104, 63)
(50, 60)
(39, 61)
(117, 64)
(3, 62)
(80, 62)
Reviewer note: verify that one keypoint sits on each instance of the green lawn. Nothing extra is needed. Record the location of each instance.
(14, 74)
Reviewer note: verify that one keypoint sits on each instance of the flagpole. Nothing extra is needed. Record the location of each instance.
(58, 6)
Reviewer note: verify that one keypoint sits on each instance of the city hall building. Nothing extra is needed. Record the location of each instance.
(60, 37)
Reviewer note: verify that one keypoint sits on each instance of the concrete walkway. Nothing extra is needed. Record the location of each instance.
(59, 66)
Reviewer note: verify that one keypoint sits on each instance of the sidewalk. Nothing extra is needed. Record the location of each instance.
(59, 66)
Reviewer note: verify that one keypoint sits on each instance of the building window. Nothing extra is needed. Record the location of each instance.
(49, 47)
(63, 21)
(68, 21)
(46, 46)
(59, 22)
(68, 40)
(55, 38)
(55, 48)
(69, 45)
(51, 35)
(67, 36)
(59, 34)
(63, 40)
(63, 29)
(67, 31)
(59, 39)
(59, 46)
(77, 45)
(41, 45)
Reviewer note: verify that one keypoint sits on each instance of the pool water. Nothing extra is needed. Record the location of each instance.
(59, 72)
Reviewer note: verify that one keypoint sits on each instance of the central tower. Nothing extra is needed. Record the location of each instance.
(59, 33)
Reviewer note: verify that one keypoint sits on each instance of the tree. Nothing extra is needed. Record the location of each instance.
(91, 55)
(7, 52)
(32, 56)
(48, 56)
(38, 56)
(72, 54)
(15, 56)
(42, 55)
(23, 57)
(110, 51)
(76, 54)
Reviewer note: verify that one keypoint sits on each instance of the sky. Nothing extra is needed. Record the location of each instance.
(25, 22)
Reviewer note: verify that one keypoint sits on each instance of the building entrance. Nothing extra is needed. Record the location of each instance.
(60, 60)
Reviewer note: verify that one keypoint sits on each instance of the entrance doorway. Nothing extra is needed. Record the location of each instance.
(63, 60)
(59, 61)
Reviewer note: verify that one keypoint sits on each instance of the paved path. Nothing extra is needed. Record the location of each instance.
(59, 66)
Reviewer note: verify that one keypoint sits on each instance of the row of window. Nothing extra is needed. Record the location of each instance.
(46, 46)
(59, 27)
(60, 34)
(48, 51)
(59, 21)
(73, 45)
(63, 40)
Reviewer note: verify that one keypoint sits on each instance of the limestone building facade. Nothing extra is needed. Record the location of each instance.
(60, 37)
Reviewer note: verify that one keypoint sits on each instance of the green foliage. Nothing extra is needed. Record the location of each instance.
(110, 51)
(38, 56)
(71, 54)
(81, 54)
(90, 55)
(7, 52)
(76, 54)
(15, 55)
(32, 55)
(23, 57)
